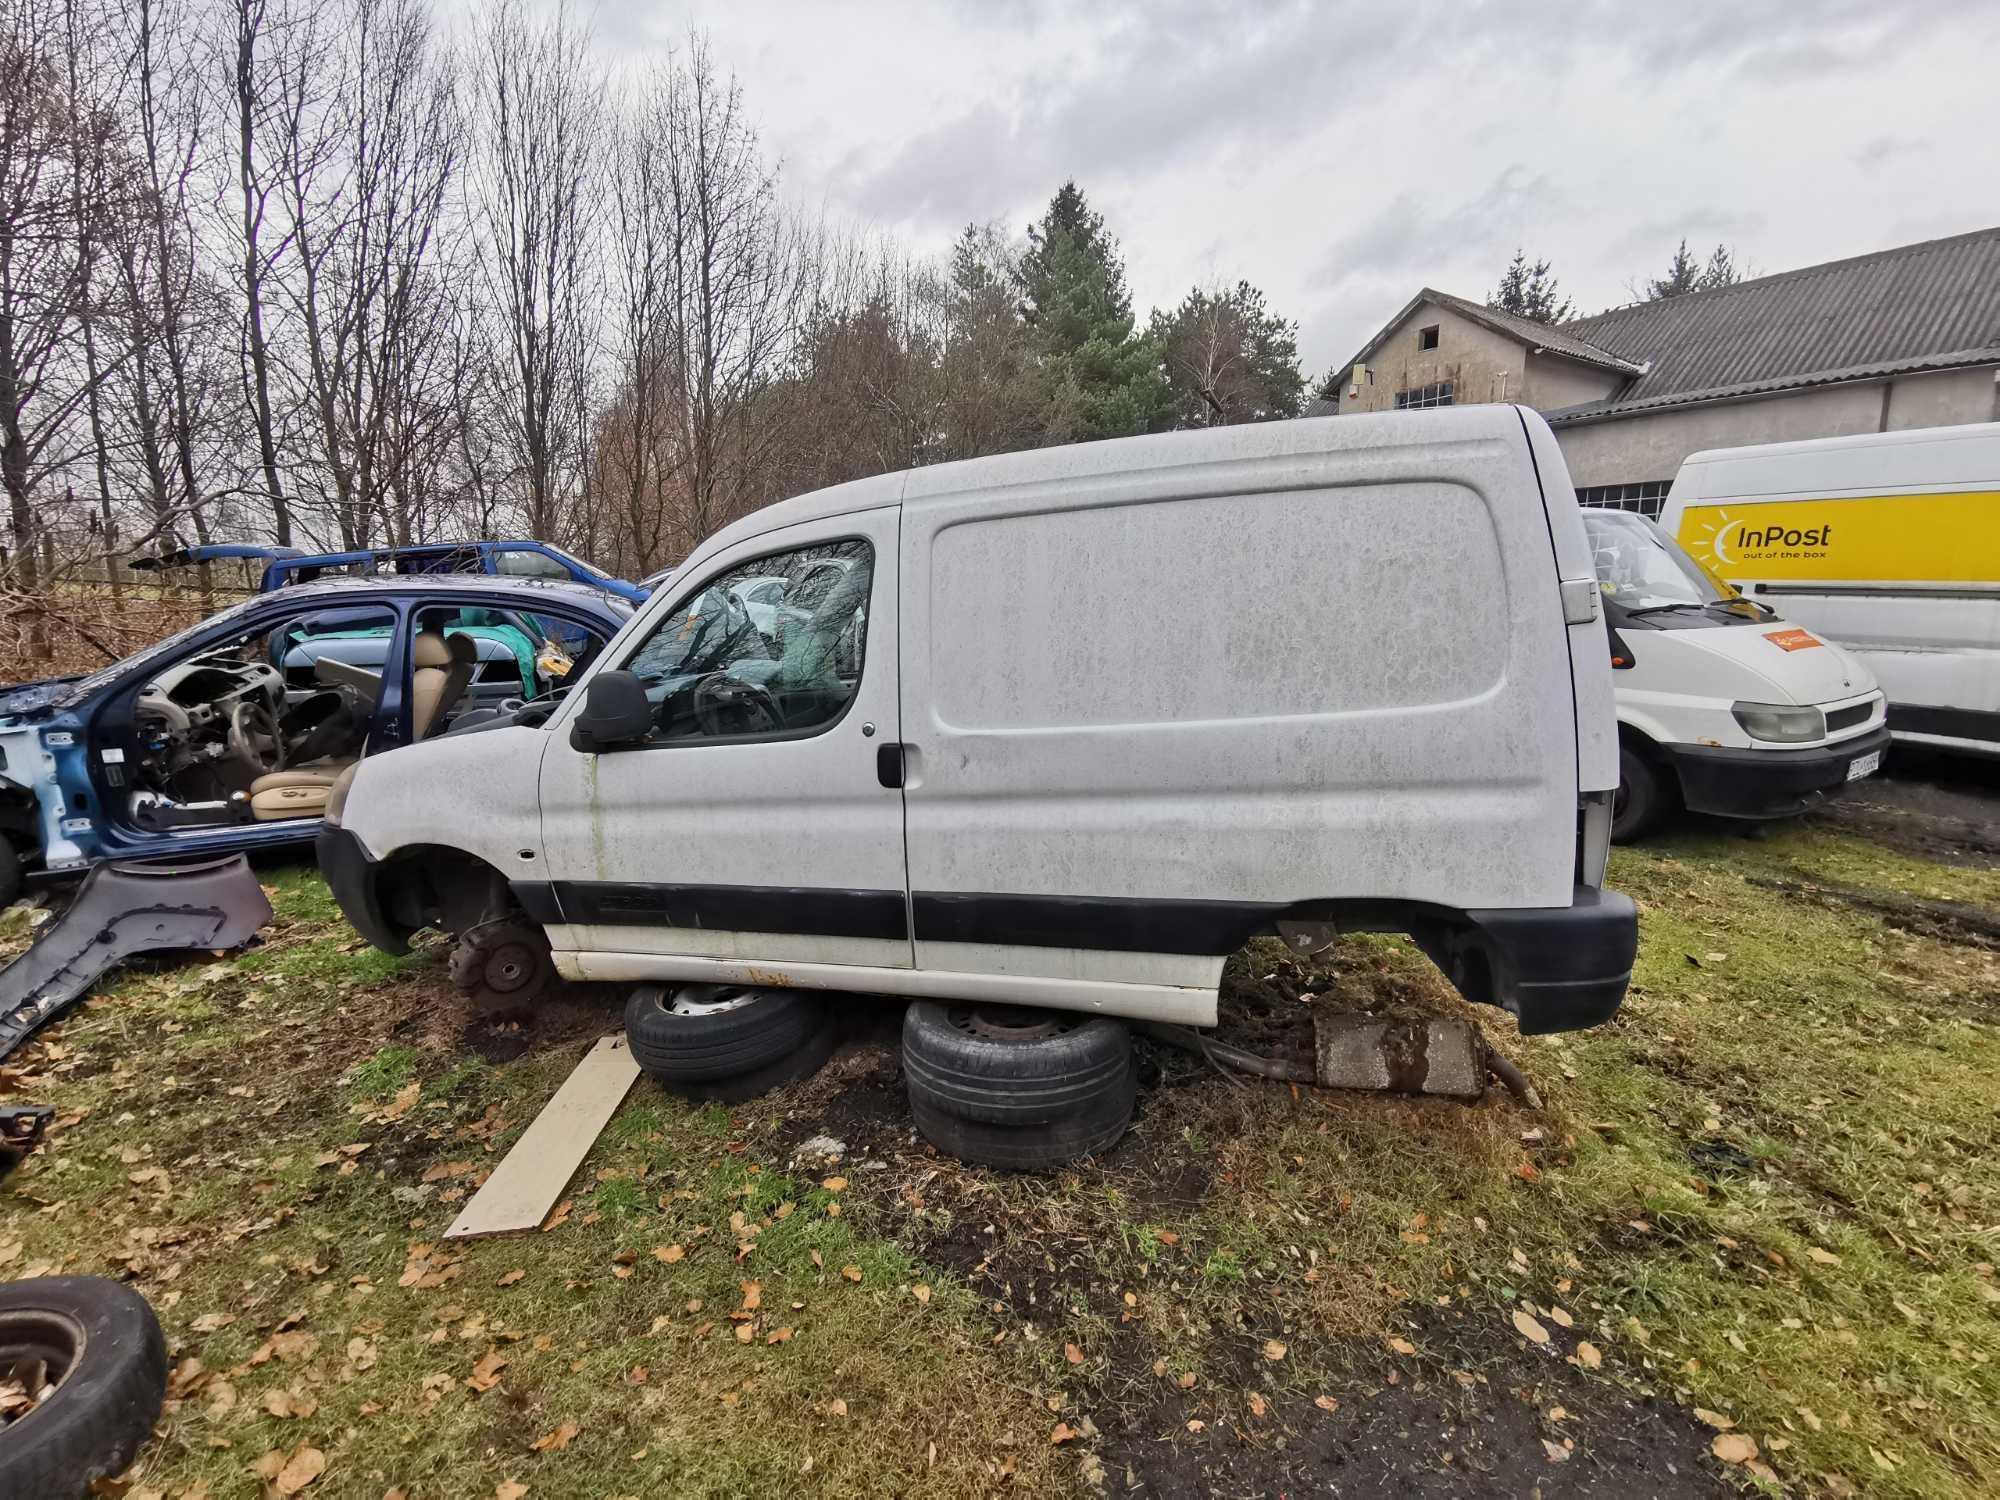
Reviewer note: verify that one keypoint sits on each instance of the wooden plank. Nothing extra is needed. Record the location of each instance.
(525, 1186)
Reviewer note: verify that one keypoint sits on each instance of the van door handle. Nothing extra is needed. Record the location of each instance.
(889, 765)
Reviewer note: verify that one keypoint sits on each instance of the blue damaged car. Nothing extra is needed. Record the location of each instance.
(229, 736)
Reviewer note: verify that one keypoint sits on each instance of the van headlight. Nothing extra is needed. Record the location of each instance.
(1780, 723)
(337, 798)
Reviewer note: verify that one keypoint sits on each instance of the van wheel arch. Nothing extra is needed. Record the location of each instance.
(436, 885)
(1648, 787)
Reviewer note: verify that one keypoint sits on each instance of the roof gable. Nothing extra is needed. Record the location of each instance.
(1539, 338)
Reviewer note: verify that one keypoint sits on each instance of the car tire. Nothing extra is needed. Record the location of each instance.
(505, 968)
(1016, 1088)
(692, 1035)
(802, 1062)
(10, 871)
(105, 1341)
(1642, 800)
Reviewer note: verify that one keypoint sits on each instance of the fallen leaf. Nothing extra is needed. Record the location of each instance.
(1326, 1403)
(555, 1442)
(1733, 1447)
(301, 1469)
(1073, 1354)
(1561, 1318)
(405, 1100)
(745, 1332)
(1402, 1346)
(1528, 1328)
(213, 1322)
(282, 1403)
(1821, 1257)
(1064, 1433)
(1556, 1451)
(1714, 1419)
(486, 1374)
(1589, 1356)
(1166, 1237)
(509, 1489)
(1273, 1349)
(1258, 1405)
(921, 1292)
(753, 1295)
(833, 1210)
(835, 1184)
(852, 1273)
(1186, 1381)
(836, 1407)
(667, 1255)
(778, 1336)
(558, 1216)
(511, 1277)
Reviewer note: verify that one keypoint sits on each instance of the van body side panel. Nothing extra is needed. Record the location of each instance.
(1338, 672)
(1887, 543)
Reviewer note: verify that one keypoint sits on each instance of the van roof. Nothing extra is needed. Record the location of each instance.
(1097, 461)
(1904, 437)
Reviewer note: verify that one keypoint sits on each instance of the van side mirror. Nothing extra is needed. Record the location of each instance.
(615, 712)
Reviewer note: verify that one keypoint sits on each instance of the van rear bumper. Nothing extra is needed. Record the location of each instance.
(1767, 783)
(1557, 968)
(352, 874)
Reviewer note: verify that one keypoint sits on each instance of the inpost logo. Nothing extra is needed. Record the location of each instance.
(1729, 541)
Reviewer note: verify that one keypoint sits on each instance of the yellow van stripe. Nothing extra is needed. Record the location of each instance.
(1951, 538)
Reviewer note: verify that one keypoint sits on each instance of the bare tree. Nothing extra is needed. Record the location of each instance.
(534, 187)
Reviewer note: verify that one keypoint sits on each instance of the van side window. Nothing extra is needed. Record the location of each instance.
(771, 648)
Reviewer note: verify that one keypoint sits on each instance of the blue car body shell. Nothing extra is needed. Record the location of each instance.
(57, 803)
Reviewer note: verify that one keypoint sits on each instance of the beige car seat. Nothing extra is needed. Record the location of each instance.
(442, 670)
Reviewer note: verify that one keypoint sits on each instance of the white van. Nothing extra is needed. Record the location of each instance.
(1888, 542)
(1065, 730)
(1723, 708)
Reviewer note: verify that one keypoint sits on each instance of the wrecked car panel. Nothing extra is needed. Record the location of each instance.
(121, 910)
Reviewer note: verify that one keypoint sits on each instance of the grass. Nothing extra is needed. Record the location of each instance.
(1767, 1190)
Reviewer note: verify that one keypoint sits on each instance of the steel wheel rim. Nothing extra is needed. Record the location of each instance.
(731, 998)
(1011, 1023)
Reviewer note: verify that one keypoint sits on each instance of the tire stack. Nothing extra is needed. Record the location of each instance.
(726, 1042)
(1021, 1089)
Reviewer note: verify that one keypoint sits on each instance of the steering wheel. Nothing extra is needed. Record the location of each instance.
(752, 708)
(254, 737)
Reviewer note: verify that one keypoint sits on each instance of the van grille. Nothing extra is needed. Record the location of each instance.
(1847, 718)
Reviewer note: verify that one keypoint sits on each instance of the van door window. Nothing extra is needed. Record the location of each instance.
(771, 648)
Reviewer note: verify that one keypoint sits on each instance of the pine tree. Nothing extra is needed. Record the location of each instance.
(1079, 316)
(1528, 290)
(1687, 274)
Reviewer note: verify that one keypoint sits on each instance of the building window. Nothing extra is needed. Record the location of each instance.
(1646, 497)
(1427, 338)
(1424, 396)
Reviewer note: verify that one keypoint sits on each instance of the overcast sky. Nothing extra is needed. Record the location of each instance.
(1340, 156)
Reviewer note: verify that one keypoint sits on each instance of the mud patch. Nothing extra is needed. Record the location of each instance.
(1478, 1413)
(1946, 921)
(1930, 805)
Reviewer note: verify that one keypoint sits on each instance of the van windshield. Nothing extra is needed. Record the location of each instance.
(1641, 567)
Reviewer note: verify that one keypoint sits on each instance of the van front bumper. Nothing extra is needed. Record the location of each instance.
(350, 872)
(1556, 968)
(1767, 783)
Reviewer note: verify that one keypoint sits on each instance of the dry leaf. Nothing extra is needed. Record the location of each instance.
(1561, 1318)
(1733, 1447)
(753, 1295)
(1258, 1405)
(406, 1097)
(1556, 1451)
(1166, 1237)
(1273, 1349)
(836, 1407)
(1715, 1419)
(1402, 1346)
(555, 1442)
(301, 1469)
(745, 1332)
(833, 1210)
(1528, 1328)
(852, 1273)
(1821, 1257)
(921, 1292)
(778, 1336)
(835, 1184)
(1589, 1356)
(1326, 1403)
(558, 1216)
(1073, 1354)
(509, 1489)
(511, 1277)
(486, 1374)
(667, 1255)
(1063, 1433)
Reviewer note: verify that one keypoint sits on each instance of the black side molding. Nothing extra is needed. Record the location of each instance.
(817, 910)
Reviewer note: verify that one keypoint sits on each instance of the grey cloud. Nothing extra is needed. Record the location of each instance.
(1883, 149)
(1408, 231)
(1701, 227)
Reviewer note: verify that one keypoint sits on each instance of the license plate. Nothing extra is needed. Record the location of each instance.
(1864, 765)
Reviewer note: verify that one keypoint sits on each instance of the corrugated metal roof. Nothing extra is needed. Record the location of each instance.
(1932, 305)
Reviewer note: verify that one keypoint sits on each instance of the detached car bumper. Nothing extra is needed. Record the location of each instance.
(1557, 968)
(1768, 783)
(350, 872)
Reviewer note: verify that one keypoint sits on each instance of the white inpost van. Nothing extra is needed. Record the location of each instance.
(1062, 729)
(1888, 542)
(1723, 707)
